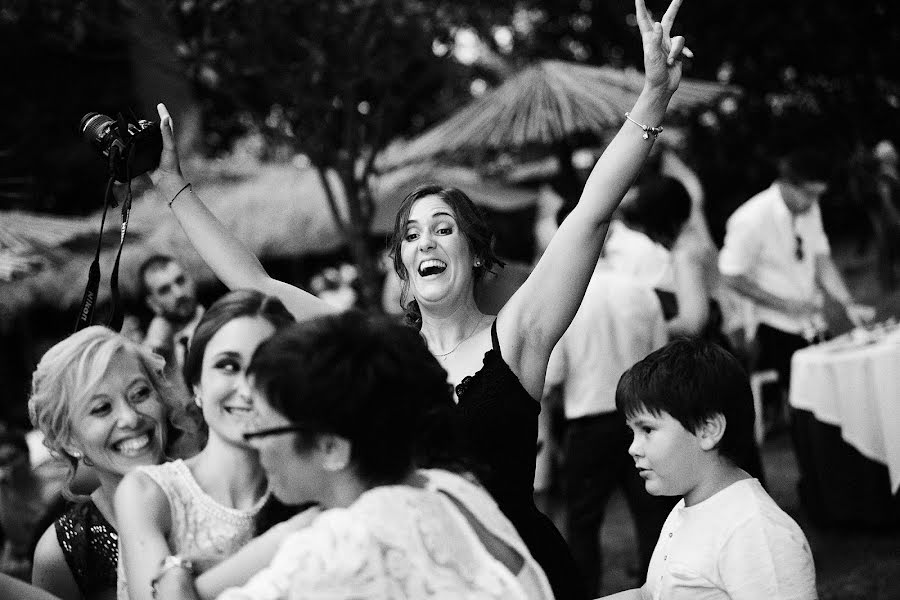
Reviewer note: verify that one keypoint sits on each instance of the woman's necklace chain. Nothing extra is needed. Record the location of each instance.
(445, 354)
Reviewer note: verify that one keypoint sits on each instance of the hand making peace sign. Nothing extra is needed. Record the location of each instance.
(662, 53)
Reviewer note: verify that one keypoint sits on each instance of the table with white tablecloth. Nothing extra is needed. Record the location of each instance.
(846, 399)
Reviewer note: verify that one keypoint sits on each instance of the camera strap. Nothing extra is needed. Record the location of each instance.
(89, 300)
(91, 290)
(117, 316)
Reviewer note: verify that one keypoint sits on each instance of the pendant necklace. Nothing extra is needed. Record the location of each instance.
(445, 354)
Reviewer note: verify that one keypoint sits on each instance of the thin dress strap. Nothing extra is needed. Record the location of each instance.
(494, 343)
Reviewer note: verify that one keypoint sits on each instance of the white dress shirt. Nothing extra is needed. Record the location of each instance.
(761, 244)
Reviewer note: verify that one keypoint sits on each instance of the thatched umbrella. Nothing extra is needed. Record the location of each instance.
(543, 105)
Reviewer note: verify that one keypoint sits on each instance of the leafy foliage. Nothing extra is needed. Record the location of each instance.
(816, 72)
(334, 80)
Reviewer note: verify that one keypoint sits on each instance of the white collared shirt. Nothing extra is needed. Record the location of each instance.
(633, 253)
(760, 244)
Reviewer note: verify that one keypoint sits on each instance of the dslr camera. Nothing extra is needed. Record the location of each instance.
(132, 148)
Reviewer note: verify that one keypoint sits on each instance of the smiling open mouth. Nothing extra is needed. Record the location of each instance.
(432, 267)
(238, 410)
(134, 445)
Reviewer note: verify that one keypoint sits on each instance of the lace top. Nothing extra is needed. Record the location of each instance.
(200, 525)
(91, 547)
(500, 425)
(395, 542)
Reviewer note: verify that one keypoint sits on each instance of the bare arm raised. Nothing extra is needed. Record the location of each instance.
(537, 315)
(229, 259)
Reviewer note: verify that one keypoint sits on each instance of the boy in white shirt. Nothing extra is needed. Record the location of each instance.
(690, 409)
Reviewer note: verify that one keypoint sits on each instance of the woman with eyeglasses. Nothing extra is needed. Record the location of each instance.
(206, 506)
(102, 401)
(348, 408)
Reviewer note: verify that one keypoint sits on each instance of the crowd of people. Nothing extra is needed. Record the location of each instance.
(274, 446)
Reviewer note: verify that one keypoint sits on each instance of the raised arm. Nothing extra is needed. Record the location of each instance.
(541, 310)
(229, 259)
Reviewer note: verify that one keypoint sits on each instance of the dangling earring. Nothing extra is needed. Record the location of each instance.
(197, 400)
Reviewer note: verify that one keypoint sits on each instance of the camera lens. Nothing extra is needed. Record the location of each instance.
(95, 127)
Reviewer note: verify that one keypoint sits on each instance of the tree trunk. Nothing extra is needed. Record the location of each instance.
(370, 280)
(356, 236)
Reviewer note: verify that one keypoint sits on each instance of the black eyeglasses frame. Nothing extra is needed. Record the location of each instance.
(295, 428)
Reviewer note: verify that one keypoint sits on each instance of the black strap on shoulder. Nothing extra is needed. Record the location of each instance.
(495, 344)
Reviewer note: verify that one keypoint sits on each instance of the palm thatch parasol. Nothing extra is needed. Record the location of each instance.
(545, 104)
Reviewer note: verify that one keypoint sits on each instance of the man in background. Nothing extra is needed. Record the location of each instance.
(777, 257)
(172, 296)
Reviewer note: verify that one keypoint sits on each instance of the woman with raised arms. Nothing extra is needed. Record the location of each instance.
(441, 248)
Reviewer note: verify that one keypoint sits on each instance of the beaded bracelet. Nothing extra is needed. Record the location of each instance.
(186, 186)
(168, 563)
(647, 129)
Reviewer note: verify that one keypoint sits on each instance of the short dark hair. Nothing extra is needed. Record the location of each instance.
(472, 225)
(151, 263)
(805, 164)
(368, 379)
(235, 304)
(660, 209)
(693, 379)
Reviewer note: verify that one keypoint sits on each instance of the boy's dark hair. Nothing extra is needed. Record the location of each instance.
(368, 379)
(692, 380)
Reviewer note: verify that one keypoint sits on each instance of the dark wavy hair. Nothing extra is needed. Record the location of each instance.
(693, 379)
(239, 303)
(471, 223)
(368, 379)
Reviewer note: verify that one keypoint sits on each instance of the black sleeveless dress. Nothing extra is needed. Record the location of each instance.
(500, 429)
(91, 547)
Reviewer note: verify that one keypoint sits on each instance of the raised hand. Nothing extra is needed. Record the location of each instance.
(169, 164)
(662, 53)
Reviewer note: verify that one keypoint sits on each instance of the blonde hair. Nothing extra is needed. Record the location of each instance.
(70, 370)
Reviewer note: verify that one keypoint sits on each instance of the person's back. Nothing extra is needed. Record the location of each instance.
(691, 412)
(399, 541)
(619, 322)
